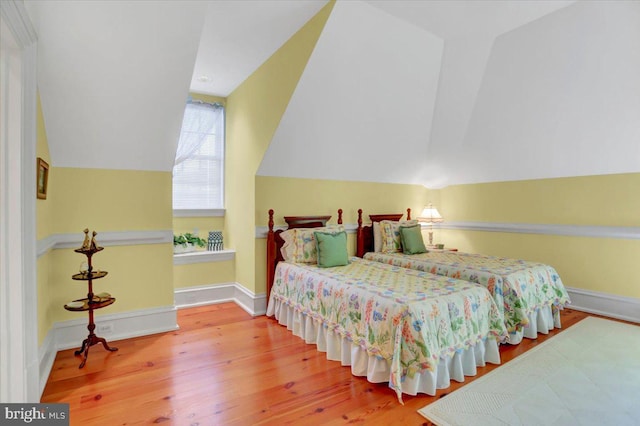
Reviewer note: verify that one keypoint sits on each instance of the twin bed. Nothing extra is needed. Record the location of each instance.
(411, 328)
(529, 295)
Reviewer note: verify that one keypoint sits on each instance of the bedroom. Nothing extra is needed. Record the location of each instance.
(577, 169)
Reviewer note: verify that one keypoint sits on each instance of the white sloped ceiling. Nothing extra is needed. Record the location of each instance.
(560, 97)
(113, 78)
(531, 90)
(363, 108)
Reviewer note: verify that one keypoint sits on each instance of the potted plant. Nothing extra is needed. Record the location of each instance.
(187, 242)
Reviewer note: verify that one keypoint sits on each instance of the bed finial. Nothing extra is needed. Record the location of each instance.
(409, 213)
(270, 220)
(271, 254)
(360, 237)
(339, 216)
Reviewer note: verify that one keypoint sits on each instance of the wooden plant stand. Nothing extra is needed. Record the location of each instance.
(90, 303)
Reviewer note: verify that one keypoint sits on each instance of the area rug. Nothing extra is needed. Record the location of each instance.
(589, 374)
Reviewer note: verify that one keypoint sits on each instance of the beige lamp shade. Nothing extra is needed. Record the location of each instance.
(430, 215)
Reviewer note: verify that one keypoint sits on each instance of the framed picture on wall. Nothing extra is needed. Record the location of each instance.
(42, 178)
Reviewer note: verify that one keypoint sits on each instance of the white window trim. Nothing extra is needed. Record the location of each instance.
(198, 213)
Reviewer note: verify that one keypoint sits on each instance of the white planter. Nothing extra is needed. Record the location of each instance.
(183, 248)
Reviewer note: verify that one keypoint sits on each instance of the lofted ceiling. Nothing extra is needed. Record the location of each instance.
(428, 92)
(238, 36)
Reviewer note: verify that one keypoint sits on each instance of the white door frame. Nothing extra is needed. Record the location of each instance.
(19, 361)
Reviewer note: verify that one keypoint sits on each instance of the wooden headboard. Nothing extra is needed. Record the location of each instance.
(364, 234)
(275, 242)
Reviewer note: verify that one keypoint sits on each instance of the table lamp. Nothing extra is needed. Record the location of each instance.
(430, 215)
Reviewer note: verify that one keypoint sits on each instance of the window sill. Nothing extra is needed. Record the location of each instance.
(203, 257)
(198, 213)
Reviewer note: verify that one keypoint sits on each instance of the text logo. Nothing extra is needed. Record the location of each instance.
(35, 414)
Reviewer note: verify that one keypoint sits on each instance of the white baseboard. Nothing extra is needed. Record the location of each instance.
(46, 355)
(619, 307)
(124, 325)
(219, 293)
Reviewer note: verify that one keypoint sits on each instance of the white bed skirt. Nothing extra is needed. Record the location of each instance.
(541, 321)
(376, 369)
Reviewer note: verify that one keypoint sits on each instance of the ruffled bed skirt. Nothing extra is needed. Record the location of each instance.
(376, 369)
(541, 321)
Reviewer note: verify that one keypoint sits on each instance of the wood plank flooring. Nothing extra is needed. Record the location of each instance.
(224, 367)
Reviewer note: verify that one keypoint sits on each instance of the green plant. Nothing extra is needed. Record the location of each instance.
(188, 238)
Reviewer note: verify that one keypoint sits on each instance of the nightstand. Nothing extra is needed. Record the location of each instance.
(437, 250)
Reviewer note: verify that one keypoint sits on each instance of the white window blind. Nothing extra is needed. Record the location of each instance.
(198, 173)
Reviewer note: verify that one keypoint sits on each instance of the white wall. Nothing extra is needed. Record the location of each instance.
(560, 97)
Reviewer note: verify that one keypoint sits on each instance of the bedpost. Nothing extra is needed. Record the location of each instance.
(359, 236)
(271, 255)
(339, 216)
(409, 214)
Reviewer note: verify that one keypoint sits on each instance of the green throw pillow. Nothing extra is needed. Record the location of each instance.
(412, 242)
(332, 249)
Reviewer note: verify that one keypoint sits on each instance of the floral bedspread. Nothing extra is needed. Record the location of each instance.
(409, 318)
(519, 287)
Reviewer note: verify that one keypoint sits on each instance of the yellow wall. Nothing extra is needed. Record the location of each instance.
(208, 273)
(598, 264)
(295, 197)
(608, 200)
(111, 200)
(254, 111)
(140, 276)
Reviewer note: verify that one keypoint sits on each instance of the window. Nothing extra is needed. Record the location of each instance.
(198, 172)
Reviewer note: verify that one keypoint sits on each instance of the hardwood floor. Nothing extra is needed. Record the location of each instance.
(224, 367)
